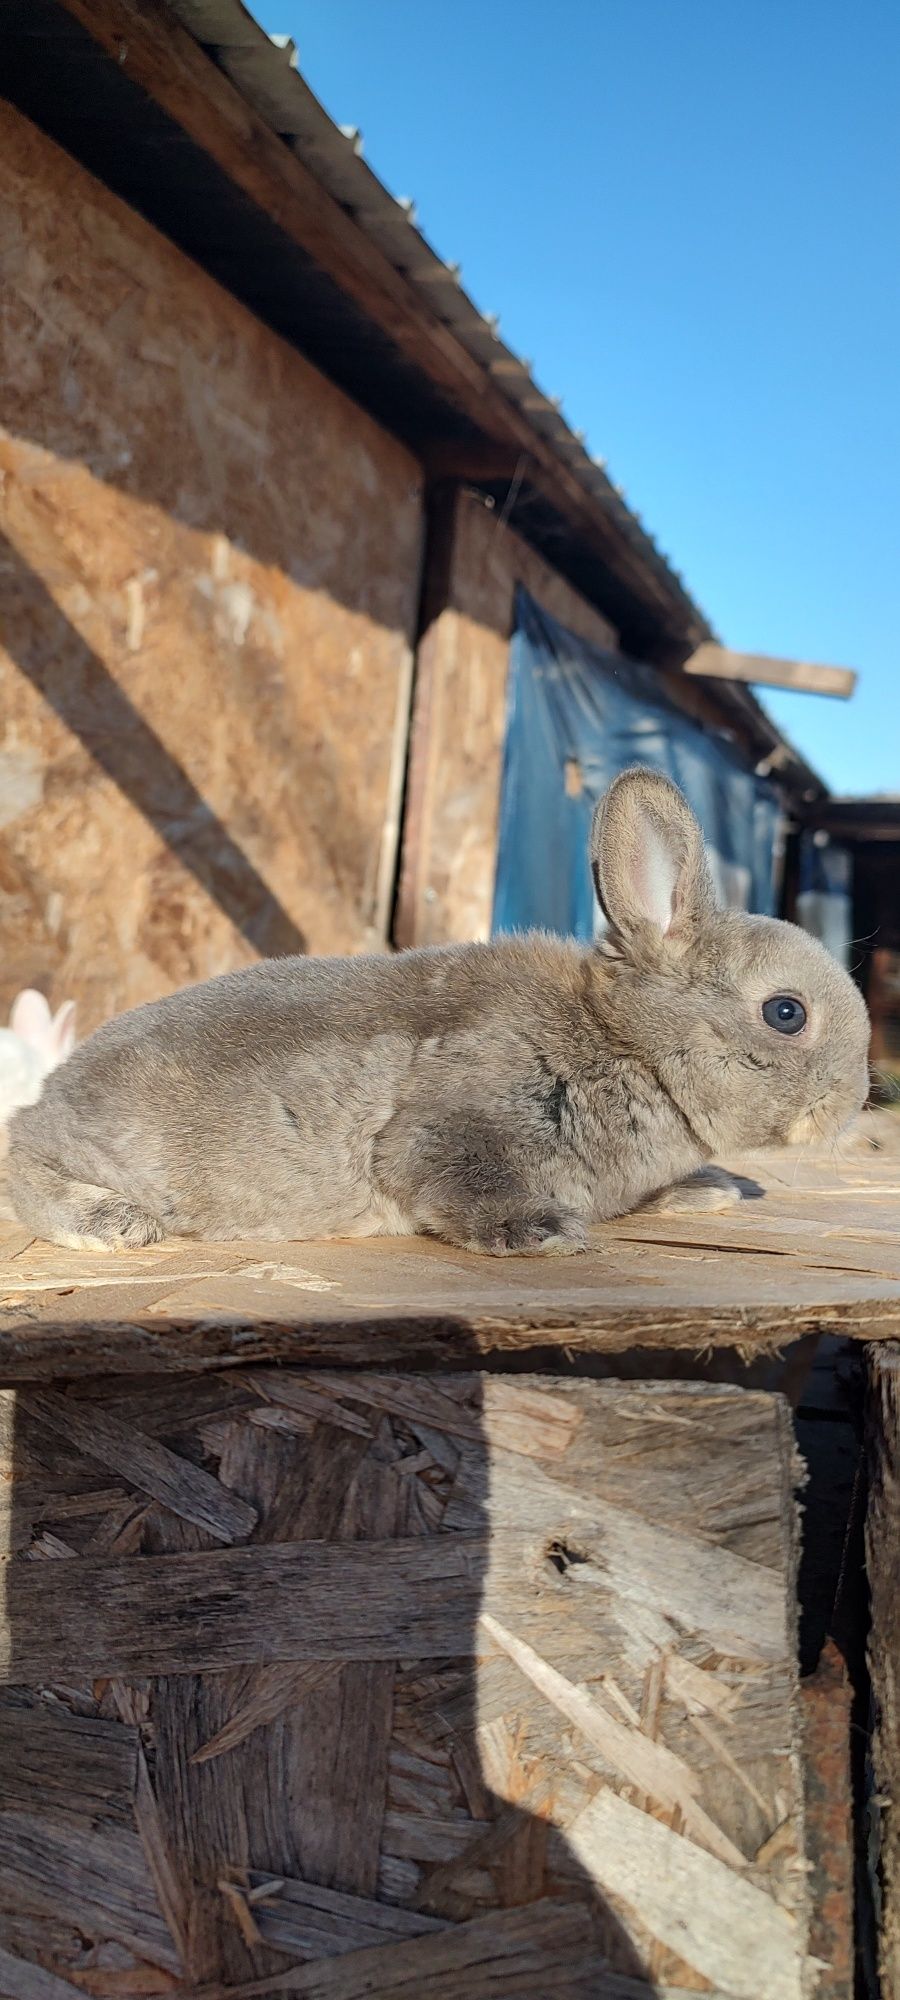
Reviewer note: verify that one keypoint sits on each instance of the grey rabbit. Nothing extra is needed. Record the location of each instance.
(503, 1096)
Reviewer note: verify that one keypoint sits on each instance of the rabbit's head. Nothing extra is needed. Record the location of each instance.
(755, 1031)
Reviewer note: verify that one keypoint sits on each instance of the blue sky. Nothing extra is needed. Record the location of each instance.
(686, 214)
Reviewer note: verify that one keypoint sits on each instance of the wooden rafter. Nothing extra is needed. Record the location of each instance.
(716, 663)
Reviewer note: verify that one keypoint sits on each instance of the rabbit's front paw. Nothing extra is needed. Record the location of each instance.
(543, 1233)
(711, 1191)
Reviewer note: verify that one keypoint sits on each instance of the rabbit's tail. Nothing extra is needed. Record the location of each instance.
(74, 1213)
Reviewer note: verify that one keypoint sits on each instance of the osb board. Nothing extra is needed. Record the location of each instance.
(209, 563)
(819, 1251)
(883, 1568)
(371, 1683)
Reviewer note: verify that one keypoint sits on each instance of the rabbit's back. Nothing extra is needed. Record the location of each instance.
(251, 1104)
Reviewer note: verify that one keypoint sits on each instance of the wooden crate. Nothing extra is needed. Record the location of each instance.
(371, 1684)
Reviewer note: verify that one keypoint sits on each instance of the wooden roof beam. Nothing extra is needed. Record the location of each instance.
(472, 463)
(716, 663)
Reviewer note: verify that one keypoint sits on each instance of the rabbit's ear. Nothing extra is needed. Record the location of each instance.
(30, 1018)
(62, 1032)
(649, 863)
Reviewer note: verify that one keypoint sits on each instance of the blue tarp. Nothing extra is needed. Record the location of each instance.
(575, 717)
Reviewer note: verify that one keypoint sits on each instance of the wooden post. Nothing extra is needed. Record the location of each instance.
(440, 519)
(827, 1701)
(883, 1564)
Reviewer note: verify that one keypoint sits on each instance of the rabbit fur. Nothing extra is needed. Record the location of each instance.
(503, 1096)
(35, 1042)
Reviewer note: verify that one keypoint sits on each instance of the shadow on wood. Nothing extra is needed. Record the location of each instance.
(73, 680)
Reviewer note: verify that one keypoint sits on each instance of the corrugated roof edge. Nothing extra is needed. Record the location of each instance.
(265, 70)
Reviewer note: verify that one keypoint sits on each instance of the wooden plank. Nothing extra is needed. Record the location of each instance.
(225, 1607)
(820, 1252)
(86, 1764)
(373, 1601)
(713, 662)
(177, 1484)
(883, 1566)
(419, 1311)
(337, 1746)
(440, 535)
(737, 1605)
(827, 1698)
(541, 1949)
(203, 1816)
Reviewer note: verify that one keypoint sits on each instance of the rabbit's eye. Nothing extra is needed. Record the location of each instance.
(785, 1014)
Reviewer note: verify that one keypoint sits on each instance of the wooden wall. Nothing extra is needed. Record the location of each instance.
(450, 831)
(209, 575)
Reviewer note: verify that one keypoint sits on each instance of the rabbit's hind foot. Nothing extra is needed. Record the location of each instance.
(74, 1213)
(111, 1223)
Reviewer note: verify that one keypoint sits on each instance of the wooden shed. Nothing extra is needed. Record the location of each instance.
(378, 1622)
(271, 484)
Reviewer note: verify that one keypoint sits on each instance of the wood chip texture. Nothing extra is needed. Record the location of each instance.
(348, 1684)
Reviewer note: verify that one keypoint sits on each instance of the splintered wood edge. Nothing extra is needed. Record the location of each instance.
(63, 1350)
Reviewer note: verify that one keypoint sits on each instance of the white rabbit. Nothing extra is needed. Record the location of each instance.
(35, 1043)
